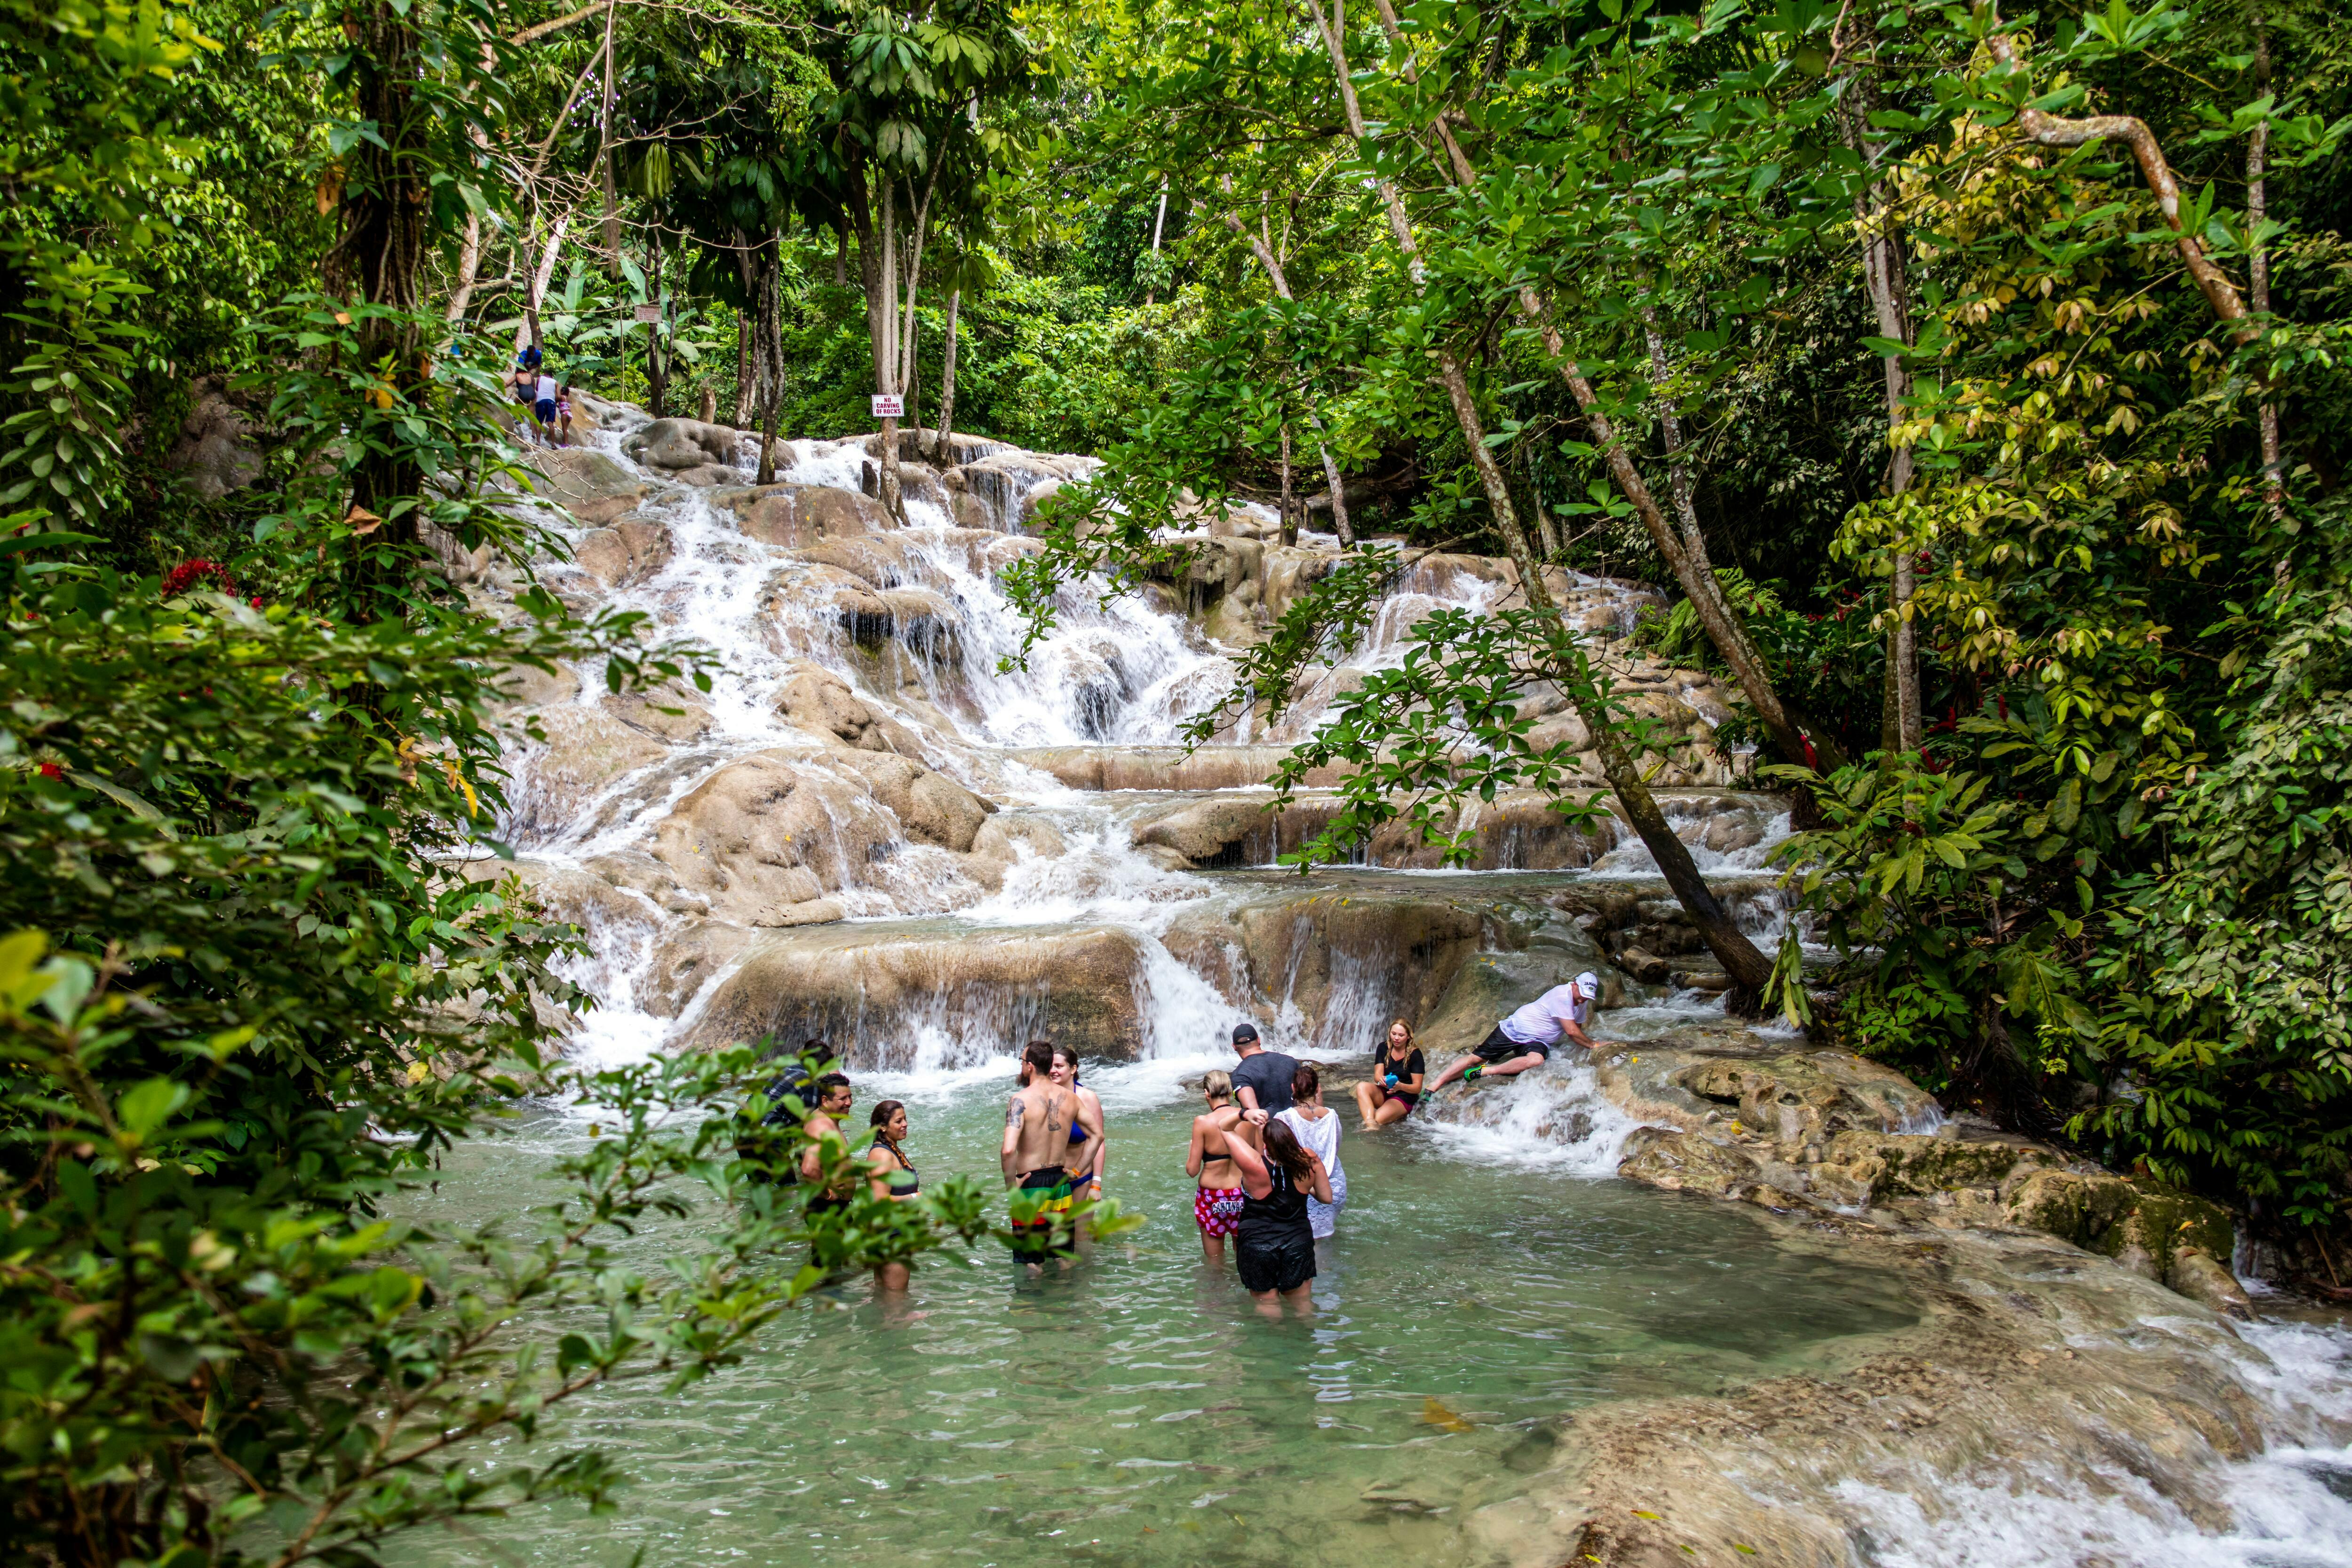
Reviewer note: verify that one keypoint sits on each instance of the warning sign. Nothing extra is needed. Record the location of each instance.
(889, 405)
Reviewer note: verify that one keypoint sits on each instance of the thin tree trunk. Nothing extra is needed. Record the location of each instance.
(1749, 969)
(2048, 130)
(1901, 728)
(1787, 723)
(1159, 220)
(2258, 268)
(527, 335)
(1281, 281)
(886, 363)
(605, 156)
(469, 267)
(1289, 517)
(710, 405)
(940, 449)
(915, 378)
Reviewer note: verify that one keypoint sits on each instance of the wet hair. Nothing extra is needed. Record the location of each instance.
(1070, 1055)
(1039, 1054)
(831, 1081)
(1304, 1081)
(883, 1111)
(1219, 1083)
(1283, 1148)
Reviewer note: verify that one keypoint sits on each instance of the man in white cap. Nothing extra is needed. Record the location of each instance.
(1524, 1039)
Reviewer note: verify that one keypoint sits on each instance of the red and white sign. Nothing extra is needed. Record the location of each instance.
(889, 405)
(650, 315)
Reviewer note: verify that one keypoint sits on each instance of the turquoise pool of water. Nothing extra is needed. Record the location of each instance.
(1138, 1409)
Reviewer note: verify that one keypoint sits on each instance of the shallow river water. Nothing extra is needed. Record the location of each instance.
(1136, 1408)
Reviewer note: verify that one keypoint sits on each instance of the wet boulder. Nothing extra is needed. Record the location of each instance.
(877, 996)
(584, 482)
(816, 700)
(931, 807)
(683, 446)
(631, 551)
(765, 837)
(2142, 1225)
(586, 751)
(216, 453)
(793, 517)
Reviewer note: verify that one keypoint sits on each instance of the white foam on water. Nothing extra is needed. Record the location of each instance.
(1549, 1118)
(2290, 1506)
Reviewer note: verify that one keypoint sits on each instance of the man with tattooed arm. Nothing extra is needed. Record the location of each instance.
(1036, 1139)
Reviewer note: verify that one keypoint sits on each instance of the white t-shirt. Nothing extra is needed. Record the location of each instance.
(1539, 1022)
(546, 389)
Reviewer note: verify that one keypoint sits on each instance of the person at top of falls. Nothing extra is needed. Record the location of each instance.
(1524, 1039)
(1274, 1246)
(1394, 1087)
(822, 1125)
(1088, 1145)
(1318, 1127)
(893, 1179)
(1217, 1200)
(1037, 1120)
(1261, 1080)
(543, 406)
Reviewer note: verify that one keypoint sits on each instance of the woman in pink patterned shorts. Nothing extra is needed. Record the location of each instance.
(1217, 1205)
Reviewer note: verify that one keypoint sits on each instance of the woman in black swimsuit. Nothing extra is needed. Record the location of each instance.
(1395, 1086)
(1275, 1244)
(893, 1178)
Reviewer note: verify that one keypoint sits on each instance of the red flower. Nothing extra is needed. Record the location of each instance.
(188, 573)
(51, 770)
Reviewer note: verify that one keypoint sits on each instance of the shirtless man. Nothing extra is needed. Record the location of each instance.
(1524, 1039)
(1217, 1204)
(1087, 1146)
(1036, 1145)
(824, 1123)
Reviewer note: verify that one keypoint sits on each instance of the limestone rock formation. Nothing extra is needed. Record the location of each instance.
(683, 447)
(585, 483)
(795, 515)
(216, 453)
(632, 550)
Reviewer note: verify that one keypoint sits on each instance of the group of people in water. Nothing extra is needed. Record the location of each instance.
(1264, 1156)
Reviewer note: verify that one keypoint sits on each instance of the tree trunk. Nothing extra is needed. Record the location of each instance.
(939, 450)
(378, 257)
(605, 156)
(1749, 969)
(1281, 281)
(2048, 130)
(915, 377)
(2258, 269)
(1901, 728)
(1289, 516)
(1159, 220)
(657, 357)
(527, 335)
(469, 267)
(1783, 720)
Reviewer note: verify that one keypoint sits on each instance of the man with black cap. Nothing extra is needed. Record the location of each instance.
(1262, 1081)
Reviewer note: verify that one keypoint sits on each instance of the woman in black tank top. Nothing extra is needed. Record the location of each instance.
(1274, 1246)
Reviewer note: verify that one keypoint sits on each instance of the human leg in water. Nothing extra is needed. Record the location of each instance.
(1497, 1056)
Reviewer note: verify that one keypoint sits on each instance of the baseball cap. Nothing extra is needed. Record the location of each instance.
(1589, 983)
(1243, 1033)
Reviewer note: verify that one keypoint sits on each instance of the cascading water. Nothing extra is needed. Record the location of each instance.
(863, 829)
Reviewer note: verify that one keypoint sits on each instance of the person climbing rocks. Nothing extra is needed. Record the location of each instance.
(564, 415)
(1526, 1039)
(544, 408)
(1035, 1155)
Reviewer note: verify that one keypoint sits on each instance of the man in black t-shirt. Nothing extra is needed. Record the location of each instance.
(1262, 1078)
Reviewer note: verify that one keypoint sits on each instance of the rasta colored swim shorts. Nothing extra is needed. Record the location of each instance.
(1218, 1209)
(1033, 1240)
